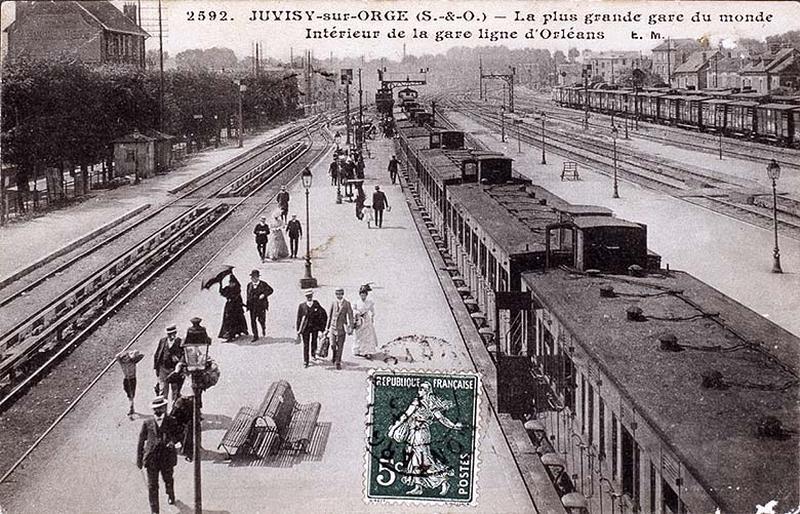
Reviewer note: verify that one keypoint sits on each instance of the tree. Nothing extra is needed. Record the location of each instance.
(573, 54)
(751, 47)
(789, 39)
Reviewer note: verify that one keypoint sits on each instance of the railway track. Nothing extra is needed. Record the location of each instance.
(46, 317)
(699, 141)
(665, 177)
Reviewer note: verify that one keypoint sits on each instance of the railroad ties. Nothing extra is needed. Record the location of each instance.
(247, 182)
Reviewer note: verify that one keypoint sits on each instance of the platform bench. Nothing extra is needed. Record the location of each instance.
(570, 171)
(282, 422)
(238, 433)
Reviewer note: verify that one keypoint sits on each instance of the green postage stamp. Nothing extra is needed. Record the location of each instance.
(422, 436)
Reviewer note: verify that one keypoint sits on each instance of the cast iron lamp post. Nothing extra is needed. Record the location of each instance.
(308, 281)
(195, 347)
(544, 117)
(774, 173)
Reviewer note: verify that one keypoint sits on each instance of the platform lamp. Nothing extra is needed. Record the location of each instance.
(614, 133)
(774, 173)
(308, 281)
(195, 350)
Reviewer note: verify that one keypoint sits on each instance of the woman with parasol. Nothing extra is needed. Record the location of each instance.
(233, 321)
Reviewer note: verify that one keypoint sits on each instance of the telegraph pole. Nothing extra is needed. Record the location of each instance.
(360, 131)
(160, 71)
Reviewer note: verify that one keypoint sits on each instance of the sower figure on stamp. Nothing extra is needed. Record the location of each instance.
(414, 429)
(168, 354)
(340, 324)
(258, 293)
(295, 230)
(311, 319)
(262, 236)
(393, 167)
(156, 452)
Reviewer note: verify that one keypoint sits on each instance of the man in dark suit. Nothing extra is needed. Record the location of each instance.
(311, 319)
(340, 323)
(168, 354)
(379, 203)
(393, 167)
(262, 235)
(258, 293)
(283, 202)
(156, 452)
(295, 231)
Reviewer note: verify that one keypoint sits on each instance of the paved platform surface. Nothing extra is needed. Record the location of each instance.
(730, 255)
(26, 241)
(88, 465)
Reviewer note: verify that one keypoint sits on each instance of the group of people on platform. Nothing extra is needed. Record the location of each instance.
(270, 242)
(348, 169)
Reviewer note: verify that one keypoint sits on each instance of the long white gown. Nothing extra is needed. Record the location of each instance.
(276, 245)
(366, 339)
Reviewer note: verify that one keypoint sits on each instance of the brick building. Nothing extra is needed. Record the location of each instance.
(780, 68)
(693, 74)
(672, 53)
(723, 71)
(95, 32)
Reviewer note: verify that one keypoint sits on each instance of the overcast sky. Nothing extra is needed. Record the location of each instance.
(278, 37)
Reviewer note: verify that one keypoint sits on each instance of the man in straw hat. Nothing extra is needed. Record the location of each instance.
(168, 354)
(340, 324)
(156, 452)
(311, 319)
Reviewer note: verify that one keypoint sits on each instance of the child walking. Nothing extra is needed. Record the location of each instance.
(128, 361)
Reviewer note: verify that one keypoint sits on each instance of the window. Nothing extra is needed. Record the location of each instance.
(614, 444)
(652, 487)
(475, 247)
(503, 286)
(583, 404)
(630, 465)
(591, 414)
(130, 155)
(601, 426)
(492, 272)
(623, 62)
(483, 260)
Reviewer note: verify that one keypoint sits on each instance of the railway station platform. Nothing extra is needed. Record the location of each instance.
(728, 254)
(25, 242)
(98, 440)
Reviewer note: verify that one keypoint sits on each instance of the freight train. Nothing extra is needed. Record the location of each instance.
(771, 119)
(643, 388)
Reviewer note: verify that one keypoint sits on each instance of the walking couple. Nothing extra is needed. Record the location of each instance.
(344, 320)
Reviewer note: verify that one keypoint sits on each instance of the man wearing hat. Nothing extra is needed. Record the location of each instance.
(156, 452)
(379, 203)
(283, 202)
(339, 325)
(311, 319)
(257, 304)
(262, 236)
(295, 231)
(168, 354)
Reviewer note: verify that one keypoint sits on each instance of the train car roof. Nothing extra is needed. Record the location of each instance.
(586, 210)
(745, 103)
(779, 107)
(714, 432)
(718, 101)
(603, 221)
(508, 213)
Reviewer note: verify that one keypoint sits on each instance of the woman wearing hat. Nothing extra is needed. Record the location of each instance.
(233, 322)
(276, 247)
(364, 315)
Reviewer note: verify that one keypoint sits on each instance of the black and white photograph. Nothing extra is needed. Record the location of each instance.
(384, 256)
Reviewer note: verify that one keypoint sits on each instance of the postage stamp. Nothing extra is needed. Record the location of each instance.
(422, 436)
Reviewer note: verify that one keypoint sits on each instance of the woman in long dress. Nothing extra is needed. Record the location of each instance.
(233, 322)
(364, 317)
(276, 246)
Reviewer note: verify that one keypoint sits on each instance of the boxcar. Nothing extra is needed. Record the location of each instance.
(713, 115)
(775, 122)
(741, 117)
(668, 108)
(690, 111)
(649, 104)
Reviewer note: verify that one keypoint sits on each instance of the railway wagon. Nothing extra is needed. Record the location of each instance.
(384, 102)
(575, 96)
(407, 95)
(795, 134)
(714, 114)
(649, 104)
(741, 118)
(690, 111)
(776, 122)
(668, 108)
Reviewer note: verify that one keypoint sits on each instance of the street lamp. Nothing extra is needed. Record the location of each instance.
(614, 133)
(774, 173)
(544, 116)
(195, 349)
(308, 281)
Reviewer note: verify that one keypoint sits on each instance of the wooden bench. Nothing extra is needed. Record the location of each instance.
(279, 422)
(570, 171)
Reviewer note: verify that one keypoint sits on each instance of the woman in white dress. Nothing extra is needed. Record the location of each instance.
(276, 246)
(364, 316)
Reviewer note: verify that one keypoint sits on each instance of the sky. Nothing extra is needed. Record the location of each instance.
(550, 23)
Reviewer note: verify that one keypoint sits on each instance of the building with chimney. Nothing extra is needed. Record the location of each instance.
(672, 53)
(693, 74)
(778, 69)
(723, 71)
(611, 66)
(94, 32)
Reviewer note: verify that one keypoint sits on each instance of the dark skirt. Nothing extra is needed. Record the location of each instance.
(233, 320)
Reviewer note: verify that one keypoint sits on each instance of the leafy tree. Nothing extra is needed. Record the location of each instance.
(573, 54)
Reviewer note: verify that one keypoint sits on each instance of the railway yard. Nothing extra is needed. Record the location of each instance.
(562, 263)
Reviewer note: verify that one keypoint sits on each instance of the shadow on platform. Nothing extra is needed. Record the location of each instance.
(287, 457)
(188, 509)
(262, 341)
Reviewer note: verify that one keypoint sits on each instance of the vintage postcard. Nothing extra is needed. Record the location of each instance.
(378, 256)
